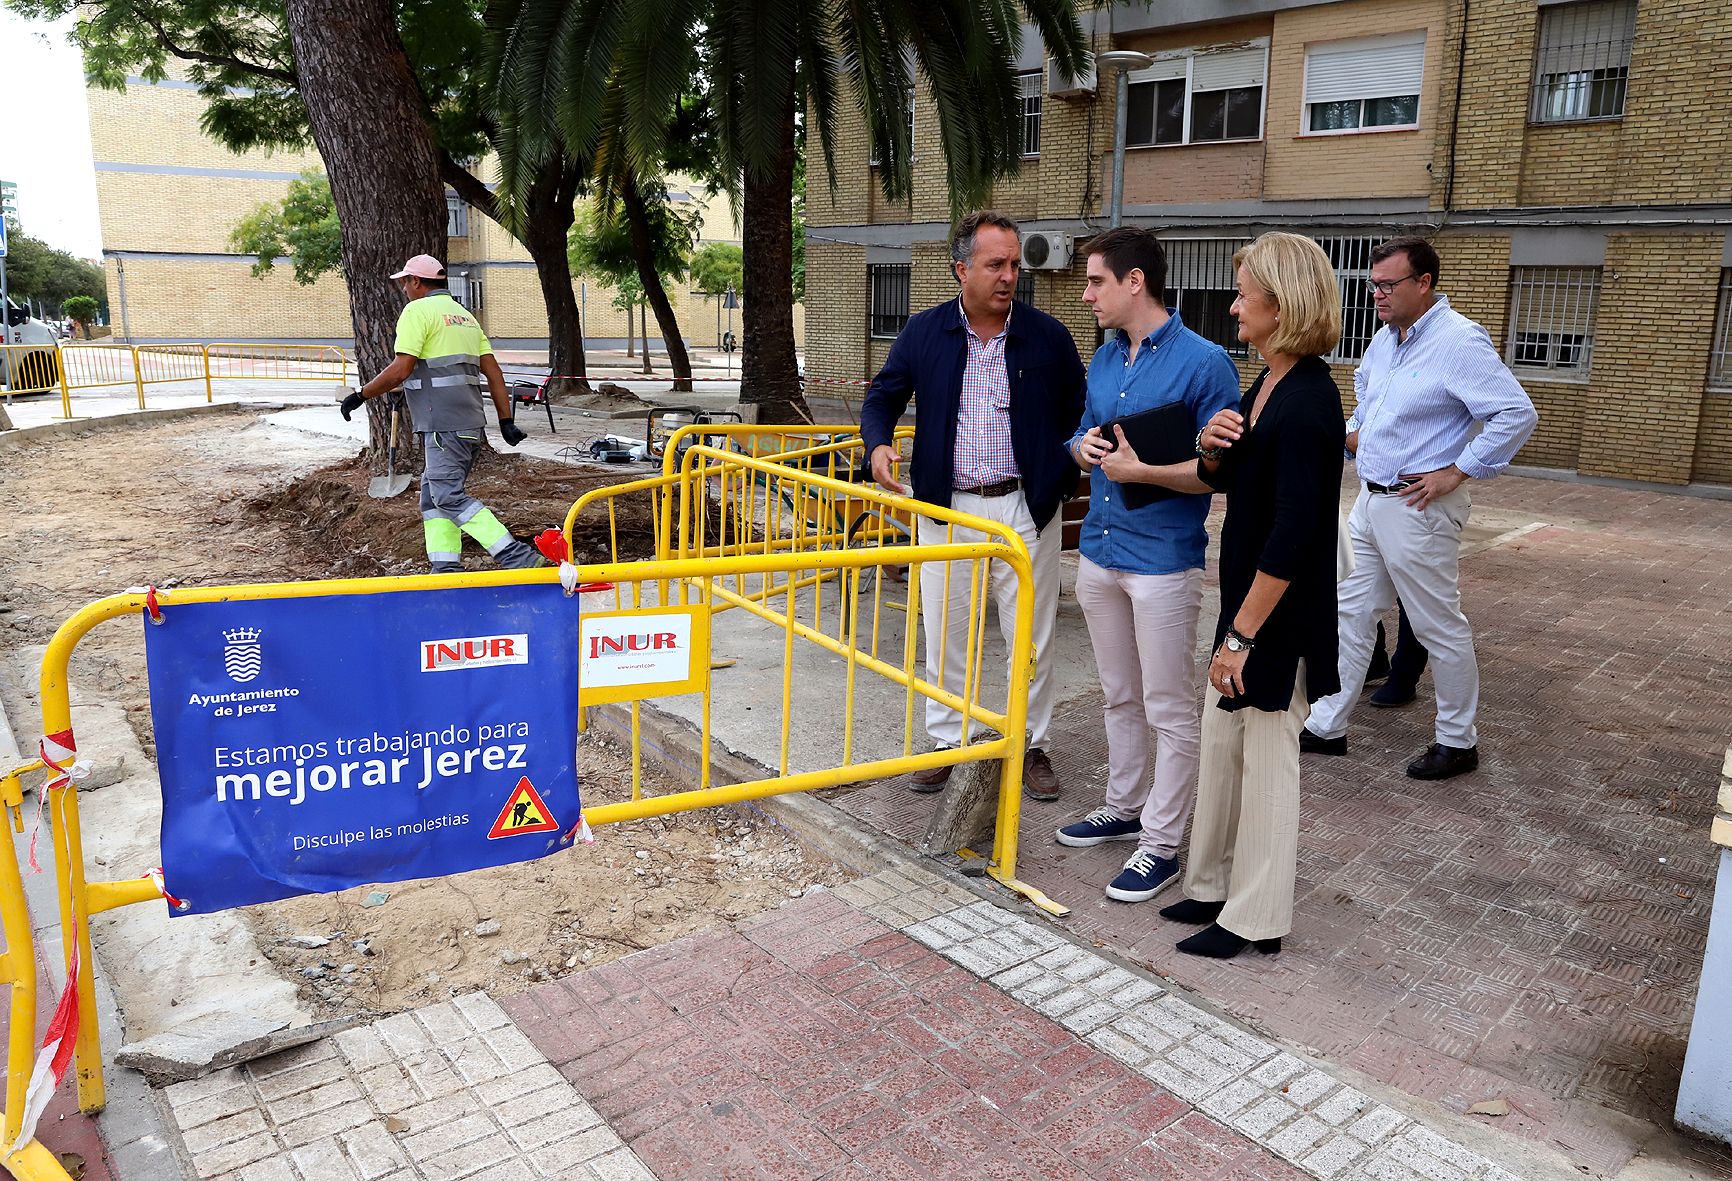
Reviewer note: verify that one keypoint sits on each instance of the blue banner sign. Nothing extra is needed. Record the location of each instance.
(309, 745)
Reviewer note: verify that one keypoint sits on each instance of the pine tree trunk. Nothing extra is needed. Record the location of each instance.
(769, 371)
(368, 122)
(643, 251)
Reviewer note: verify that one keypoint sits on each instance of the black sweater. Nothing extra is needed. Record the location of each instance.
(1283, 485)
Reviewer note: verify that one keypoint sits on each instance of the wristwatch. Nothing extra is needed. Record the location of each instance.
(1237, 641)
(1206, 453)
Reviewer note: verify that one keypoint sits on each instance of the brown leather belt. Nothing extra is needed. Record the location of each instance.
(1002, 488)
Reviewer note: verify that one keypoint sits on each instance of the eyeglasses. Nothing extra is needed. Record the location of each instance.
(1387, 286)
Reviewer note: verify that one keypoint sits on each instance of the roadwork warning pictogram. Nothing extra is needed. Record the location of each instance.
(524, 812)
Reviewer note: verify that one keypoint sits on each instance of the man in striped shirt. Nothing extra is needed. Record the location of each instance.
(997, 388)
(1437, 407)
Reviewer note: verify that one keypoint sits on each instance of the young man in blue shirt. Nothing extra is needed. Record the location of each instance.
(1140, 578)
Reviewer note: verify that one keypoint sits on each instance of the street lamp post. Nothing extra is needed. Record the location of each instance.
(1121, 62)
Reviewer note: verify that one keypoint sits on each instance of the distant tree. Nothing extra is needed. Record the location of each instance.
(716, 267)
(37, 271)
(81, 310)
(301, 227)
(639, 234)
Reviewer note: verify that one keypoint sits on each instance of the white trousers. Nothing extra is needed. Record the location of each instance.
(1144, 631)
(1245, 840)
(1414, 555)
(946, 617)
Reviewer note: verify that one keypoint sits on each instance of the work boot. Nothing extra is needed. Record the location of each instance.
(1038, 777)
(928, 780)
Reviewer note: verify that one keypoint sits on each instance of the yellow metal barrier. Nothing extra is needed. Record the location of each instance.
(278, 362)
(29, 369)
(160, 364)
(723, 553)
(18, 971)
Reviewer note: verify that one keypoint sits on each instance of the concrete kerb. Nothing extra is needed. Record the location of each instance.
(33, 435)
(674, 744)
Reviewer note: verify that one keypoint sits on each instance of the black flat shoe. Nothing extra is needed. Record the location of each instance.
(1218, 943)
(1316, 744)
(1191, 910)
(1442, 762)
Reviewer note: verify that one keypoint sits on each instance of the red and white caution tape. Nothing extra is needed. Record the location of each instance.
(60, 754)
(156, 879)
(54, 1057)
(579, 830)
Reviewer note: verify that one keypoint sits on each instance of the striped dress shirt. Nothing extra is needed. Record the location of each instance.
(983, 452)
(1421, 401)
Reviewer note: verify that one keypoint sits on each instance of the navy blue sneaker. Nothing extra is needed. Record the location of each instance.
(1144, 876)
(1097, 828)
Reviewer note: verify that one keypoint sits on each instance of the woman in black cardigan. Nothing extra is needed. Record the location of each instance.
(1278, 458)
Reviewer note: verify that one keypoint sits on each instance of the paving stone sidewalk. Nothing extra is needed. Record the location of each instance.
(1531, 932)
(897, 1027)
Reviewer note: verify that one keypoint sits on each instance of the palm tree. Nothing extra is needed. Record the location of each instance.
(582, 73)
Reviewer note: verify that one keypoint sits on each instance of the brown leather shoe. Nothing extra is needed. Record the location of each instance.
(1038, 777)
(929, 779)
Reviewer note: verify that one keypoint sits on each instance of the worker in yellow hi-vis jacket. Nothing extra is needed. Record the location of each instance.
(442, 355)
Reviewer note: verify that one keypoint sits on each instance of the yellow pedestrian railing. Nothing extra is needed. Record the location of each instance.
(74, 367)
(18, 971)
(765, 537)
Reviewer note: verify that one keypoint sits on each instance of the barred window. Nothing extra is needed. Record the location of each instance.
(1025, 288)
(456, 216)
(887, 295)
(1351, 258)
(1030, 84)
(1552, 312)
(909, 97)
(1720, 360)
(1583, 63)
(1201, 287)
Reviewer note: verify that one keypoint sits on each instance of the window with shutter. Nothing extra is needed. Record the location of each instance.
(1199, 96)
(1369, 82)
(1582, 67)
(1552, 313)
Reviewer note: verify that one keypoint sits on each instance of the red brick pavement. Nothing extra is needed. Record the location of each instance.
(814, 1042)
(1534, 930)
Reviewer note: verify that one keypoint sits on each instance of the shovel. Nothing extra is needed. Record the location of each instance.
(391, 483)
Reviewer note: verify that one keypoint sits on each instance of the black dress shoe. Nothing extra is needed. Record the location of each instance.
(1218, 943)
(1443, 762)
(1392, 695)
(1192, 910)
(1316, 744)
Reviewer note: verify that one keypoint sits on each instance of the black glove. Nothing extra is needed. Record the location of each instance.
(509, 432)
(351, 404)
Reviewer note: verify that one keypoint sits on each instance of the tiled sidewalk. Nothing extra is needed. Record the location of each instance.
(896, 1028)
(1531, 932)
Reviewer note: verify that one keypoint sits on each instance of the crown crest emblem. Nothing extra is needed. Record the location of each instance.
(243, 635)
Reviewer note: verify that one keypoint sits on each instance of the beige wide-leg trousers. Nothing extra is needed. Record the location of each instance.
(1245, 838)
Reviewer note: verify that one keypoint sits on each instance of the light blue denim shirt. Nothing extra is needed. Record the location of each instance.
(1421, 402)
(1173, 364)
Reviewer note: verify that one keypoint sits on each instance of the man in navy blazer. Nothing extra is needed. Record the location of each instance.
(997, 389)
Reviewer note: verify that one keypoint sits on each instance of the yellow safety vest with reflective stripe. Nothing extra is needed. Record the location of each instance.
(445, 387)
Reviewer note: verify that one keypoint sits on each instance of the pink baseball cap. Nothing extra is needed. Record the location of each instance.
(422, 266)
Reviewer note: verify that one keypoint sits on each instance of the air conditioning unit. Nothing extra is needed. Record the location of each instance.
(1046, 251)
(1062, 85)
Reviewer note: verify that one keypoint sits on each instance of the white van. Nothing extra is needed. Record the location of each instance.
(27, 371)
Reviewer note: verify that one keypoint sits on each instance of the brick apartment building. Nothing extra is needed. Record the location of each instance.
(1572, 160)
(169, 197)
